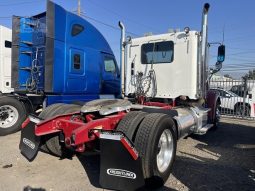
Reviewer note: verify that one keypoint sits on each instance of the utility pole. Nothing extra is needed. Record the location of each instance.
(79, 7)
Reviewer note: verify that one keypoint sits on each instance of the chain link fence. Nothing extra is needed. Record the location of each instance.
(237, 97)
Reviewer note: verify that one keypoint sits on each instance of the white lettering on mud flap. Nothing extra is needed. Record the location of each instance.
(29, 143)
(121, 173)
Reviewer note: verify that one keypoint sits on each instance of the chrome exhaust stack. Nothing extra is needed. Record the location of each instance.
(203, 52)
(122, 58)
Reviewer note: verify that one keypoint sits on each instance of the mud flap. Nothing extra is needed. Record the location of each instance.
(120, 165)
(29, 142)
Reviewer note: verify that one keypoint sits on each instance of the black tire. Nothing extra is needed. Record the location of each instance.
(216, 117)
(28, 106)
(47, 113)
(130, 123)
(147, 144)
(11, 108)
(52, 142)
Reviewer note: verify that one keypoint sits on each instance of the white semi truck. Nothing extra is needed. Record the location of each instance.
(165, 97)
(5, 59)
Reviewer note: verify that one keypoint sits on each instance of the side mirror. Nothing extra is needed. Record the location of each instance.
(221, 53)
(228, 95)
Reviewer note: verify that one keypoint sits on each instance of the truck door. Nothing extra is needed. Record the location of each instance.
(76, 78)
(110, 75)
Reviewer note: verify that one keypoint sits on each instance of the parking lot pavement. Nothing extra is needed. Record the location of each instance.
(220, 160)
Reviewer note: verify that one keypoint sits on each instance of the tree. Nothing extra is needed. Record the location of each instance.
(250, 75)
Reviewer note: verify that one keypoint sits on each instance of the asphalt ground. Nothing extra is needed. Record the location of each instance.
(220, 160)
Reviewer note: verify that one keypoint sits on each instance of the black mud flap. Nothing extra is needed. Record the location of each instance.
(120, 165)
(29, 142)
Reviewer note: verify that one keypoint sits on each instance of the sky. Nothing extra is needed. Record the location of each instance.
(236, 18)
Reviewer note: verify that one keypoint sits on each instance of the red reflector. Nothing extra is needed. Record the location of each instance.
(24, 124)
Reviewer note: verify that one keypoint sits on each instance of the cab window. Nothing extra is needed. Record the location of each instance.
(76, 61)
(77, 29)
(109, 65)
(158, 52)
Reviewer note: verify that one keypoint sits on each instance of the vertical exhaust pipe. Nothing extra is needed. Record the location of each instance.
(122, 58)
(204, 42)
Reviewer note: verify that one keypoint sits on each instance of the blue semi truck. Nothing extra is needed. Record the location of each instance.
(57, 57)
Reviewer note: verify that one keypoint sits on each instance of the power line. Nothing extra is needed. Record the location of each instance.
(240, 70)
(8, 17)
(236, 69)
(117, 14)
(240, 59)
(236, 53)
(249, 56)
(228, 27)
(106, 24)
(242, 64)
(235, 48)
(240, 38)
(100, 22)
(19, 3)
(238, 65)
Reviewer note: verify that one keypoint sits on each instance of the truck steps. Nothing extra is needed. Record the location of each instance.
(26, 52)
(23, 85)
(27, 43)
(30, 24)
(204, 129)
(26, 68)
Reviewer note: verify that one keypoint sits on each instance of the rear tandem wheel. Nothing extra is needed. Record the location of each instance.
(155, 141)
(52, 143)
(130, 123)
(156, 144)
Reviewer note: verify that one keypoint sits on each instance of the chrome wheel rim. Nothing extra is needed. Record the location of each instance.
(165, 150)
(8, 116)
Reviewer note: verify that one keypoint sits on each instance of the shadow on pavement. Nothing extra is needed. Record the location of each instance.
(231, 165)
(91, 165)
(28, 188)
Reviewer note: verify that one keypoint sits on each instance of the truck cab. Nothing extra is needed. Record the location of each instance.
(170, 66)
(62, 55)
(56, 57)
(166, 56)
(5, 59)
